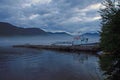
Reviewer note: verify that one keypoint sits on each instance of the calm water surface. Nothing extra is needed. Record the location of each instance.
(30, 64)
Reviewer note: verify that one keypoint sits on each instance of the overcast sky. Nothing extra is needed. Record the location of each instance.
(52, 15)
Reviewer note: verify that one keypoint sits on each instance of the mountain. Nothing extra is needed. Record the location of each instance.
(91, 34)
(93, 37)
(58, 34)
(7, 29)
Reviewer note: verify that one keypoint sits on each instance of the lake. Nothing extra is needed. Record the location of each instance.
(31, 64)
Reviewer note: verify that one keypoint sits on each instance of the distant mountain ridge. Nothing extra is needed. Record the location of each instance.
(7, 29)
(91, 34)
(58, 33)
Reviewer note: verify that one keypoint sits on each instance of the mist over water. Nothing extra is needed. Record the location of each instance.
(38, 40)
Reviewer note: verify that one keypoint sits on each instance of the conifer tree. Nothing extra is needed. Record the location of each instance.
(110, 37)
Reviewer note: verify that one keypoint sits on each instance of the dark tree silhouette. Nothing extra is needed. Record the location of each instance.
(110, 38)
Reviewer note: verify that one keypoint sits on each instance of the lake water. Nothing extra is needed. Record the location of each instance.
(30, 64)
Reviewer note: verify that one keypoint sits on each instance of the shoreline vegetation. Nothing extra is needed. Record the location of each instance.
(110, 39)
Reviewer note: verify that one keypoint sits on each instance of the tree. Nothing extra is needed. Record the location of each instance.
(110, 38)
(110, 33)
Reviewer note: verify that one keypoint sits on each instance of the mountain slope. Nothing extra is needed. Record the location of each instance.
(9, 29)
(91, 34)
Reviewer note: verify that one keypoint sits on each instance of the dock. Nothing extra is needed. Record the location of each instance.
(75, 48)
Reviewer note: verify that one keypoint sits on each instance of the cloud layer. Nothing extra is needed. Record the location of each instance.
(52, 15)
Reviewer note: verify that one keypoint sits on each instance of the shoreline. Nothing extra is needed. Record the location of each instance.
(68, 48)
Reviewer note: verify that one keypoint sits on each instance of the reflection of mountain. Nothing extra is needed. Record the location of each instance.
(7, 29)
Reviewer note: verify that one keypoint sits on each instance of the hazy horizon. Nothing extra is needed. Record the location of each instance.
(40, 40)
